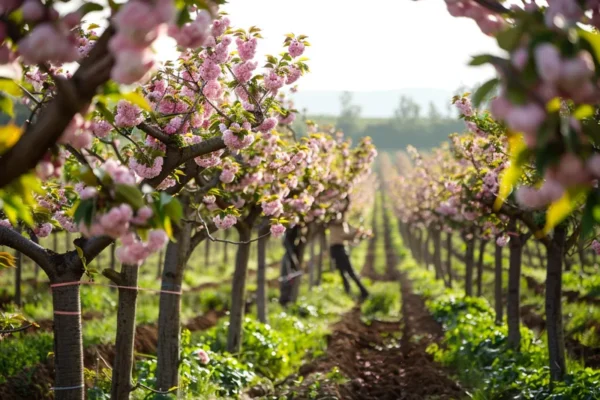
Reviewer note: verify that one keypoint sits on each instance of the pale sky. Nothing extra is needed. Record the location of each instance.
(371, 45)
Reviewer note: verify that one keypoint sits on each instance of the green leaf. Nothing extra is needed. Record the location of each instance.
(9, 135)
(509, 38)
(81, 256)
(563, 207)
(480, 60)
(484, 90)
(133, 98)
(89, 7)
(174, 211)
(84, 212)
(130, 195)
(6, 105)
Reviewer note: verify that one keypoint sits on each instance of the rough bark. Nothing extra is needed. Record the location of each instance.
(113, 259)
(124, 344)
(68, 343)
(437, 256)
(554, 325)
(311, 264)
(321, 256)
(159, 263)
(482, 245)
(469, 261)
(238, 290)
(169, 318)
(498, 304)
(207, 254)
(261, 278)
(514, 287)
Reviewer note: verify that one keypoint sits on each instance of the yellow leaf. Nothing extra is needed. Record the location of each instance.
(9, 135)
(10, 87)
(583, 111)
(511, 175)
(137, 99)
(553, 105)
(7, 260)
(559, 210)
(81, 256)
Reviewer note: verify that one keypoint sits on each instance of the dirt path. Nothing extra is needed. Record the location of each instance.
(382, 360)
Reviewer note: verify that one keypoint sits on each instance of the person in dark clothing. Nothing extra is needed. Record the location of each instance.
(340, 233)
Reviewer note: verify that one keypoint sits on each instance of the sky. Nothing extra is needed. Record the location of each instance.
(371, 45)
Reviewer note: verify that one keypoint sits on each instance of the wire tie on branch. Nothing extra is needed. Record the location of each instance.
(67, 387)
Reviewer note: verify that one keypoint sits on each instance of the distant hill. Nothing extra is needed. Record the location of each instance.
(376, 104)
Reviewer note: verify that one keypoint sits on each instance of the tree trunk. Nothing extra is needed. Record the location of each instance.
(320, 257)
(437, 256)
(207, 254)
(68, 344)
(113, 260)
(418, 245)
(261, 279)
(426, 256)
(311, 264)
(498, 284)
(554, 325)
(469, 261)
(169, 310)
(159, 263)
(514, 290)
(18, 275)
(449, 257)
(290, 264)
(482, 245)
(238, 291)
(124, 344)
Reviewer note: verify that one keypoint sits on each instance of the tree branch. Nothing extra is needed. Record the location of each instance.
(154, 132)
(14, 240)
(73, 95)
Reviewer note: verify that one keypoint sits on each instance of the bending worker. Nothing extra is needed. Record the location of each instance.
(339, 233)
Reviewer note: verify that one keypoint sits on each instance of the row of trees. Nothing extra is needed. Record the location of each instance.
(191, 150)
(456, 190)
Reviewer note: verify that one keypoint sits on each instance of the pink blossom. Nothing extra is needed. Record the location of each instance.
(64, 221)
(227, 176)
(44, 170)
(88, 193)
(142, 215)
(43, 230)
(202, 356)
(137, 21)
(267, 125)
(293, 73)
(576, 71)
(209, 199)
(464, 106)
(273, 81)
(225, 223)
(277, 230)
(33, 10)
(143, 170)
(132, 65)
(100, 128)
(128, 115)
(209, 70)
(166, 183)
(246, 49)
(502, 240)
(596, 246)
(5, 223)
(243, 73)
(220, 26)
(119, 173)
(571, 170)
(296, 48)
(520, 58)
(548, 61)
(526, 118)
(46, 43)
(530, 198)
(157, 239)
(593, 164)
(212, 90)
(192, 34)
(272, 208)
